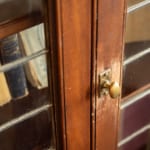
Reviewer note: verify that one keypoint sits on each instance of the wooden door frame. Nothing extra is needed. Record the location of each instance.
(68, 30)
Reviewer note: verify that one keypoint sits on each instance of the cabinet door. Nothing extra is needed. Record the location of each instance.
(70, 29)
(108, 56)
(60, 110)
(87, 39)
(26, 118)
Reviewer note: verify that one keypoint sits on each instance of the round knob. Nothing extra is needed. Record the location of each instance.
(113, 87)
(114, 90)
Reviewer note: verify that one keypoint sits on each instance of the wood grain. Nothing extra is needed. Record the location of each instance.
(109, 55)
(76, 32)
(69, 35)
(17, 25)
(53, 35)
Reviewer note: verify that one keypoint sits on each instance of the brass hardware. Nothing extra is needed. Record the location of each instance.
(106, 86)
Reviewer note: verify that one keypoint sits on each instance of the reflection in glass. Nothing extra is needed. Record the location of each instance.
(26, 120)
(33, 41)
(133, 2)
(136, 6)
(23, 58)
(137, 50)
(134, 132)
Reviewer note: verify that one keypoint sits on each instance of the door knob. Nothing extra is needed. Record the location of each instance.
(113, 88)
(106, 86)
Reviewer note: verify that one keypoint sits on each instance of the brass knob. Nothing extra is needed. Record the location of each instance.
(113, 88)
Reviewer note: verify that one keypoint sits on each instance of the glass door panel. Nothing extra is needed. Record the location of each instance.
(134, 120)
(137, 50)
(26, 112)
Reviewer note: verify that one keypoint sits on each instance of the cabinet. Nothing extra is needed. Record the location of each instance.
(82, 40)
(90, 41)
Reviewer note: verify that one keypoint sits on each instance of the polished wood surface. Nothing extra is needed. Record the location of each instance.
(76, 21)
(55, 69)
(84, 38)
(70, 45)
(109, 55)
(93, 74)
(76, 50)
(20, 24)
(71, 48)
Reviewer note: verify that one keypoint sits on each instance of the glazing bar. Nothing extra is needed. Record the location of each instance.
(137, 6)
(21, 61)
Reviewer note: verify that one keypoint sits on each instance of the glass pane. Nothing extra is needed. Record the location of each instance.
(134, 133)
(26, 120)
(133, 2)
(28, 135)
(137, 50)
(19, 8)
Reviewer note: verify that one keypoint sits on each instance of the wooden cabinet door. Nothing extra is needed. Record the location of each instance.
(87, 39)
(108, 55)
(69, 28)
